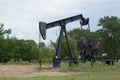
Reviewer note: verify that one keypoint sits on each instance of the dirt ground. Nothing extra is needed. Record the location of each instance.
(30, 71)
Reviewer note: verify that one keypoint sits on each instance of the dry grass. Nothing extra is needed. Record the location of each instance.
(29, 71)
(14, 70)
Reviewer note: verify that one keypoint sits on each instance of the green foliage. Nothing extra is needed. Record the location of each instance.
(2, 31)
(12, 48)
(65, 50)
(110, 35)
(17, 50)
(86, 67)
(4, 46)
(46, 54)
(78, 34)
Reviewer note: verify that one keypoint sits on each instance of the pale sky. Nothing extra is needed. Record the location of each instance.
(23, 16)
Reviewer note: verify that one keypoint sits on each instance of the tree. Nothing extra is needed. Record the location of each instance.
(4, 44)
(110, 35)
(3, 31)
(64, 48)
(26, 50)
(46, 53)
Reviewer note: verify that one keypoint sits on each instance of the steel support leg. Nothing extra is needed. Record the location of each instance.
(56, 62)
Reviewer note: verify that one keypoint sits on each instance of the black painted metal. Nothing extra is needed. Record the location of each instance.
(87, 48)
(57, 60)
(66, 60)
(43, 26)
(104, 59)
(109, 61)
(62, 23)
(65, 21)
(59, 43)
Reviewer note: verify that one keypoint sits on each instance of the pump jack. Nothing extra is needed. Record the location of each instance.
(62, 23)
